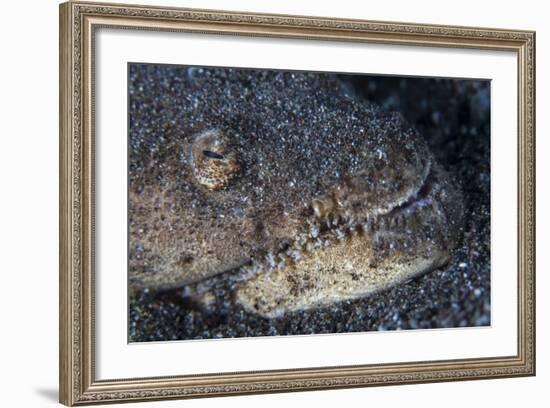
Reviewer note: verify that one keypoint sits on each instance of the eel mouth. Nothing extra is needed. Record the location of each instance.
(325, 229)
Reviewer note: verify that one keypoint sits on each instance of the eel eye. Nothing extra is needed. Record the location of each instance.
(214, 160)
(212, 155)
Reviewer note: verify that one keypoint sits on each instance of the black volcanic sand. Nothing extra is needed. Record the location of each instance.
(454, 117)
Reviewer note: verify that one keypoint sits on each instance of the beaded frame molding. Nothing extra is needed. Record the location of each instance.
(78, 22)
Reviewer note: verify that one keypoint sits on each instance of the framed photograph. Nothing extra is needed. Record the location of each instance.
(256, 203)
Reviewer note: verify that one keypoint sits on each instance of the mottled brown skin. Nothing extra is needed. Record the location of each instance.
(299, 195)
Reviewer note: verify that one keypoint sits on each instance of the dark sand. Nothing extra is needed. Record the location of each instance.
(454, 117)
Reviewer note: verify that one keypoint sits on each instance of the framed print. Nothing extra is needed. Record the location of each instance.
(260, 203)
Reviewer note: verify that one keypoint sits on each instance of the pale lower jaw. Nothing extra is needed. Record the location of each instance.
(340, 272)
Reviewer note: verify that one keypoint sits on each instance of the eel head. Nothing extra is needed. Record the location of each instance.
(283, 186)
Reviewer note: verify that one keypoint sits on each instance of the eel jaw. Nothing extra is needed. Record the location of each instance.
(329, 276)
(349, 258)
(342, 257)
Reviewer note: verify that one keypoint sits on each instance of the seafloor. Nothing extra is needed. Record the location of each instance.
(454, 117)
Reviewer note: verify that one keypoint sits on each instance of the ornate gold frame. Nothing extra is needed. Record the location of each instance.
(77, 380)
